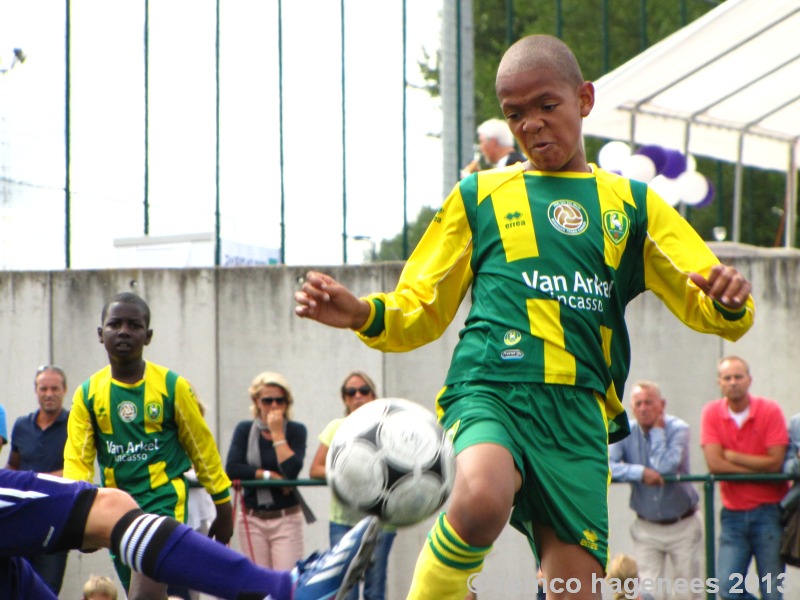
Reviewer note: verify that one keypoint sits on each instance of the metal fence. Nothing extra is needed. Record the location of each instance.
(709, 509)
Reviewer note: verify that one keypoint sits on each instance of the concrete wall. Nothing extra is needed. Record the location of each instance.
(219, 328)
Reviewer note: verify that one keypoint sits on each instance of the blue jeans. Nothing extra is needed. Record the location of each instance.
(745, 534)
(375, 577)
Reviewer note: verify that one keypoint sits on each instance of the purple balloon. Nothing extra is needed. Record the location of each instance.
(709, 198)
(657, 154)
(675, 163)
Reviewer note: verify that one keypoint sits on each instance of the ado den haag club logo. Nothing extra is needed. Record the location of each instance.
(616, 225)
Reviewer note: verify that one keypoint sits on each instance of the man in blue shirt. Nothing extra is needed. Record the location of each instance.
(37, 444)
(668, 524)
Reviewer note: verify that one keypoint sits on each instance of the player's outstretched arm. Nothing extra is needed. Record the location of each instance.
(725, 285)
(324, 299)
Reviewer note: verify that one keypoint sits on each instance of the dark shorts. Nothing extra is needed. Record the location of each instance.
(558, 437)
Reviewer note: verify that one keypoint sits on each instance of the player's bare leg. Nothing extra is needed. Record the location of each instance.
(563, 561)
(483, 494)
(109, 506)
(480, 504)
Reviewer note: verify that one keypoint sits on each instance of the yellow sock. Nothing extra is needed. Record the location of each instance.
(445, 564)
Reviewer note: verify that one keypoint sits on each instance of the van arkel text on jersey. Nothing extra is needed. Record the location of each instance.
(133, 452)
(558, 287)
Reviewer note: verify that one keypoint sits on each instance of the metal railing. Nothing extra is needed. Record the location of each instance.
(708, 480)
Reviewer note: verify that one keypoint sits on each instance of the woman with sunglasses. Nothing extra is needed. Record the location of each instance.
(357, 389)
(269, 524)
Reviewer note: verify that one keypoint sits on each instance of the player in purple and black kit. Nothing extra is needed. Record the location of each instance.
(40, 512)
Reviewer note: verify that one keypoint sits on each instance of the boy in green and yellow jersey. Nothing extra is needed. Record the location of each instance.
(553, 249)
(142, 423)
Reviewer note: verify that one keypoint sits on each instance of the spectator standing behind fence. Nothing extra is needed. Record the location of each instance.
(143, 424)
(668, 524)
(742, 433)
(357, 389)
(496, 146)
(37, 444)
(270, 446)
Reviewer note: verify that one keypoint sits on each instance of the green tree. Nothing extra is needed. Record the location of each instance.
(392, 249)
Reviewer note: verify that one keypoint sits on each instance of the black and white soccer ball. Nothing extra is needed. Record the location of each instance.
(392, 459)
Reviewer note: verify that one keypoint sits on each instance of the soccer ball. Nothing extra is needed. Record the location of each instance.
(391, 458)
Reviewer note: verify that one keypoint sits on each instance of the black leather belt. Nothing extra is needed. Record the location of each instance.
(273, 514)
(685, 515)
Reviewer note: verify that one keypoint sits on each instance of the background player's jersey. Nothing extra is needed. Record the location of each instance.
(553, 259)
(143, 435)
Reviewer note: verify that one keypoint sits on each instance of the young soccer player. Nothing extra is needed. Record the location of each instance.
(40, 512)
(553, 249)
(142, 423)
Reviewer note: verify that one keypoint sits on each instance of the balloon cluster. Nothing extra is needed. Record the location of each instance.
(670, 173)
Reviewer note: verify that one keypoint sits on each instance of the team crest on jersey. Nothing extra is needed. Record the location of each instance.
(568, 217)
(127, 411)
(616, 225)
(512, 337)
(153, 410)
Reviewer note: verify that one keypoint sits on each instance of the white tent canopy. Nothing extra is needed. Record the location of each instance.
(726, 86)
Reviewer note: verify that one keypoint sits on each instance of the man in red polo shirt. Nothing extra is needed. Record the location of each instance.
(741, 433)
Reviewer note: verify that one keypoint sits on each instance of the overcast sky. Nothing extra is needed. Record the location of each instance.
(107, 125)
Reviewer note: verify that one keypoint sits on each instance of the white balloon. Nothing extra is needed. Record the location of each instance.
(639, 167)
(692, 187)
(666, 188)
(691, 162)
(613, 155)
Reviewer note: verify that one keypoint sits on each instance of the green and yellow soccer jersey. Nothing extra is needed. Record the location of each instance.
(553, 259)
(143, 435)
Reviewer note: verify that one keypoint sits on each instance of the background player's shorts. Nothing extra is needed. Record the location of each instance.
(558, 438)
(42, 513)
(168, 500)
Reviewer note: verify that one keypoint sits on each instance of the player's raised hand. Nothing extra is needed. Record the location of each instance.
(725, 285)
(324, 299)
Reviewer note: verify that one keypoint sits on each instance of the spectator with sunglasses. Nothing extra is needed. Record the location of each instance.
(357, 389)
(270, 446)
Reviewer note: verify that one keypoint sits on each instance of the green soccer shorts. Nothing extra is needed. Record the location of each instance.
(558, 437)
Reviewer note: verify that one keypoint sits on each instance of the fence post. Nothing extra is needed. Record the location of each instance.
(708, 498)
